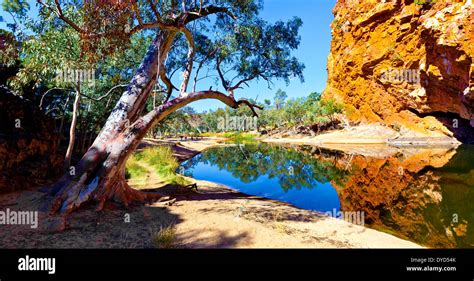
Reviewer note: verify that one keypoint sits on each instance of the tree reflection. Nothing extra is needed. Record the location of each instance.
(292, 168)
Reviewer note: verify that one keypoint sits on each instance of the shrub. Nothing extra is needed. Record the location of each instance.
(165, 238)
(239, 137)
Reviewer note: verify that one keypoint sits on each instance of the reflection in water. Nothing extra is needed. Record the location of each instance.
(271, 171)
(423, 195)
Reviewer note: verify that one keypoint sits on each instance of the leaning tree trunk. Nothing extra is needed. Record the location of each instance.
(100, 174)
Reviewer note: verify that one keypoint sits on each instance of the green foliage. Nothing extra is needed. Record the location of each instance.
(19, 7)
(9, 52)
(239, 137)
(53, 47)
(304, 111)
(331, 106)
(294, 110)
(320, 111)
(310, 110)
(44, 56)
(134, 169)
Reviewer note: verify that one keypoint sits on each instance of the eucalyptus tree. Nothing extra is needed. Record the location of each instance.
(54, 65)
(191, 37)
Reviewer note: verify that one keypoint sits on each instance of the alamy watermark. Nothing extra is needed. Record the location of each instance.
(37, 264)
(76, 76)
(354, 217)
(237, 123)
(10, 217)
(411, 76)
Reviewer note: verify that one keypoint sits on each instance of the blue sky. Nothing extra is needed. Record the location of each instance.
(313, 51)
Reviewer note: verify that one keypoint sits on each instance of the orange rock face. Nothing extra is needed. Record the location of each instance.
(399, 61)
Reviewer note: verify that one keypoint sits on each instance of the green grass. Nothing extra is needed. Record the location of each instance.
(160, 157)
(208, 134)
(162, 162)
(134, 169)
(236, 137)
(165, 238)
(240, 137)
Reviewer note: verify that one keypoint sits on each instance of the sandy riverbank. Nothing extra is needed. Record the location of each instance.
(213, 217)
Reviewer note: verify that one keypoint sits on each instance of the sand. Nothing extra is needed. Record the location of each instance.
(218, 217)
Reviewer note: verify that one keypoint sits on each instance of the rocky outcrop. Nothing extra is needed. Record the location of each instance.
(29, 148)
(407, 64)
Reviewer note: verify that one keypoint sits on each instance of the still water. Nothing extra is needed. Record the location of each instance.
(423, 195)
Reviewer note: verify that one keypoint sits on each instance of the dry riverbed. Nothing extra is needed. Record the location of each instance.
(214, 216)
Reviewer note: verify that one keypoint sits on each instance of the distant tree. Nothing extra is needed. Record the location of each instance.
(314, 97)
(280, 97)
(295, 110)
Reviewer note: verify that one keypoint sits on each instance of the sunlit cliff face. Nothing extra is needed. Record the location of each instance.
(404, 63)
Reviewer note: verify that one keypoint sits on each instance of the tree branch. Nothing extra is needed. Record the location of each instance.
(210, 54)
(244, 81)
(137, 12)
(162, 111)
(155, 11)
(189, 63)
(59, 13)
(108, 93)
(203, 12)
(168, 83)
(221, 75)
(45, 93)
(181, 20)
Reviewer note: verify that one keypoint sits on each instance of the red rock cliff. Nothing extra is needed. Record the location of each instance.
(408, 64)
